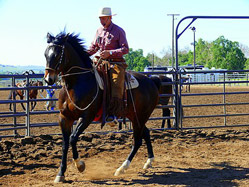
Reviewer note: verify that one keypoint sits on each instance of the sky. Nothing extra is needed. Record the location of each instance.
(25, 24)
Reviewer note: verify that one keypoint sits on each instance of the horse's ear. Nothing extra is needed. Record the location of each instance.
(50, 38)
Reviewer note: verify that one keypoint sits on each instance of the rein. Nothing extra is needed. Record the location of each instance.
(71, 74)
(78, 73)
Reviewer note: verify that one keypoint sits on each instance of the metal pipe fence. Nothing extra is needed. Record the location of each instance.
(27, 114)
(180, 95)
(223, 83)
(8, 83)
(192, 19)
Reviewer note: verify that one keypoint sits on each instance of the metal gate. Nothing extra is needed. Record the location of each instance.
(179, 107)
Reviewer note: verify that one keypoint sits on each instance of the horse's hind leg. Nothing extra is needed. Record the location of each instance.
(164, 120)
(120, 124)
(10, 108)
(10, 98)
(33, 104)
(166, 113)
(22, 104)
(146, 137)
(137, 137)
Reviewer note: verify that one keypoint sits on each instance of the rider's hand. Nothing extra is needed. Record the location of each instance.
(104, 54)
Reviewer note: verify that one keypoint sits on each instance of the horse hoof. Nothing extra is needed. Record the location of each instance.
(119, 171)
(148, 164)
(80, 165)
(122, 168)
(59, 179)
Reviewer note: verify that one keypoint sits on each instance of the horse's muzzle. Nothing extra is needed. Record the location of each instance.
(50, 78)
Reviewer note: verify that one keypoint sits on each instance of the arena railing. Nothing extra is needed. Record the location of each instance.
(8, 83)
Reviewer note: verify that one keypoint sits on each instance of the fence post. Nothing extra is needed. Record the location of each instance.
(180, 98)
(224, 99)
(27, 107)
(176, 100)
(14, 104)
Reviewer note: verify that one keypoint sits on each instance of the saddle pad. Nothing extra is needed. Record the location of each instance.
(131, 84)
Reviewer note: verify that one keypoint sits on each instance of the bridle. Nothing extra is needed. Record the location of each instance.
(61, 57)
(86, 70)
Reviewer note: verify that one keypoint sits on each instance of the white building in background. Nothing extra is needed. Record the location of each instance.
(194, 74)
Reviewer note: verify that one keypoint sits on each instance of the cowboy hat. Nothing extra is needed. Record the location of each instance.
(106, 11)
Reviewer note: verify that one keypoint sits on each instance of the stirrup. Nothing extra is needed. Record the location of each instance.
(111, 120)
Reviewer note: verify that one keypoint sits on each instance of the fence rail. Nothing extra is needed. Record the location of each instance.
(178, 113)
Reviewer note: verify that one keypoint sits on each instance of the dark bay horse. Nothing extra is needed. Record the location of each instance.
(81, 98)
(164, 89)
(32, 93)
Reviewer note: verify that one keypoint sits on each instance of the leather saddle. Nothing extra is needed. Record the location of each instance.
(103, 80)
(130, 81)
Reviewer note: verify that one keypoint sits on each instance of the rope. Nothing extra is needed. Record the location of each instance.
(77, 73)
(82, 109)
(89, 70)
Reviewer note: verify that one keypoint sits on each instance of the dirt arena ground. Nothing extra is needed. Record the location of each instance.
(201, 157)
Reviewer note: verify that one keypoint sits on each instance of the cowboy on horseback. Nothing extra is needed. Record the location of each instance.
(110, 41)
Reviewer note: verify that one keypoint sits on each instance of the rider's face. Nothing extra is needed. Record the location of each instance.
(105, 21)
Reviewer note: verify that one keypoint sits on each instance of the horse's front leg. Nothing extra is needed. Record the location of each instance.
(82, 124)
(66, 126)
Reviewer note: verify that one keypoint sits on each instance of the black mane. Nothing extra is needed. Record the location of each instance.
(76, 42)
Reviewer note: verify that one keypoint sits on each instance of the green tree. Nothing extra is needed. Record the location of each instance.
(185, 57)
(226, 55)
(247, 64)
(221, 53)
(135, 60)
(153, 57)
(203, 55)
(166, 60)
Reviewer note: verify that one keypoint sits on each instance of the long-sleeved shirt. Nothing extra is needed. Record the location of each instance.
(113, 38)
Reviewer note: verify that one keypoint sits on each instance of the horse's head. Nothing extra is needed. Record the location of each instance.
(36, 83)
(54, 55)
(40, 83)
(63, 52)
